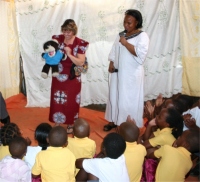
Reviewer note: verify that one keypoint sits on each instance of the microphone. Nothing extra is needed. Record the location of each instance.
(123, 33)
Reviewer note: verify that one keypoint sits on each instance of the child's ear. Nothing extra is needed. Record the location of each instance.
(65, 145)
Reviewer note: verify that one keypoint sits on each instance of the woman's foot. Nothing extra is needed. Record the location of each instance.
(109, 126)
(70, 129)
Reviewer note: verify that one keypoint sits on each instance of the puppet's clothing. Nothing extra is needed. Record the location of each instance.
(53, 60)
(66, 93)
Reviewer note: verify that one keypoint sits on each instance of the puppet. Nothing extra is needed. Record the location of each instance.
(52, 57)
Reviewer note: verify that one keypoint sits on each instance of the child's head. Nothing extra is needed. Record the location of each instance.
(187, 101)
(129, 131)
(189, 139)
(171, 118)
(81, 128)
(57, 137)
(18, 147)
(113, 145)
(176, 104)
(8, 132)
(41, 134)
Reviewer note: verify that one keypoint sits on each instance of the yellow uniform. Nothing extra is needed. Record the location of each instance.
(174, 164)
(4, 151)
(82, 147)
(55, 164)
(162, 137)
(134, 156)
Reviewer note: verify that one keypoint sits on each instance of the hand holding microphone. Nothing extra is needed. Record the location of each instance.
(112, 68)
(122, 37)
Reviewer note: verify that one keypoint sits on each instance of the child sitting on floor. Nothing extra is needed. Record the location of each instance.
(175, 161)
(41, 134)
(170, 126)
(7, 133)
(134, 153)
(57, 163)
(13, 168)
(81, 146)
(111, 168)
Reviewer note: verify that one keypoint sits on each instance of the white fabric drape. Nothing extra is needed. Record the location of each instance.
(9, 56)
(99, 22)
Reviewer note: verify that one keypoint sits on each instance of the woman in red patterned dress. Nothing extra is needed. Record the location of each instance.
(66, 88)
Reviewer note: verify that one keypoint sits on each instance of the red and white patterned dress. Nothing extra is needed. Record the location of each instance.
(66, 93)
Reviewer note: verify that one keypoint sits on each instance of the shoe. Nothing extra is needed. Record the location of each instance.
(70, 129)
(109, 127)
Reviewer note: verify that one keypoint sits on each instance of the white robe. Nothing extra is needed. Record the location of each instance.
(126, 95)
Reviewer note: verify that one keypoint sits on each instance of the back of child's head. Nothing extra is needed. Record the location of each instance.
(81, 128)
(8, 132)
(41, 134)
(190, 140)
(129, 131)
(18, 147)
(114, 145)
(175, 121)
(57, 136)
(187, 101)
(176, 104)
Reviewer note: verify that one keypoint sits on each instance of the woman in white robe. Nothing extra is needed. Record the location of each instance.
(127, 56)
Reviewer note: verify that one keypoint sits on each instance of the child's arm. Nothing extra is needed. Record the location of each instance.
(79, 163)
(147, 144)
(155, 153)
(148, 132)
(35, 176)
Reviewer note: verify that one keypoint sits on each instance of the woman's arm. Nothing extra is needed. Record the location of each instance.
(129, 46)
(79, 60)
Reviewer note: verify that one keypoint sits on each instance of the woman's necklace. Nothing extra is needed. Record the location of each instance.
(133, 34)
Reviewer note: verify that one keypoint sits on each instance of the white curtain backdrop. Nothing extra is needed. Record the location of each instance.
(98, 22)
(9, 47)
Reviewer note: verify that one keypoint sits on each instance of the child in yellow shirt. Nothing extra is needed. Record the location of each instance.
(57, 163)
(81, 145)
(134, 153)
(170, 126)
(175, 161)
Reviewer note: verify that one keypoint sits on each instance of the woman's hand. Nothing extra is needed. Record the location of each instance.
(111, 68)
(123, 40)
(68, 51)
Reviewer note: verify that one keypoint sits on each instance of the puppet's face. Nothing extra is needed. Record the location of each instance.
(50, 50)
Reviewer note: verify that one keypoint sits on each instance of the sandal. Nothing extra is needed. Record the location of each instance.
(109, 127)
(70, 129)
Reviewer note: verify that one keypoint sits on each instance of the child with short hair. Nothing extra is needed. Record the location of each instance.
(7, 133)
(134, 153)
(57, 163)
(175, 161)
(111, 168)
(81, 145)
(13, 168)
